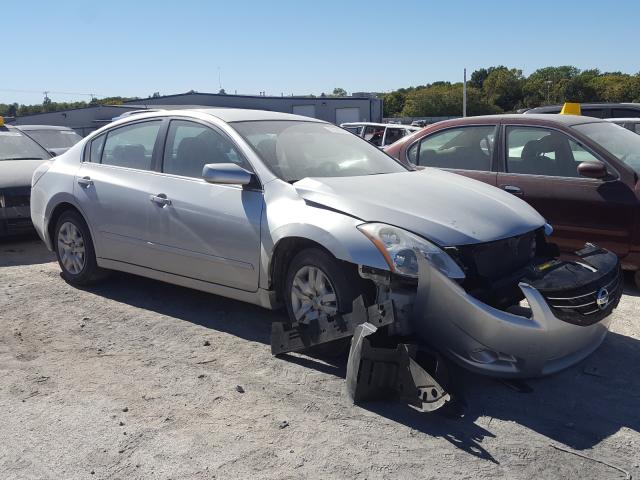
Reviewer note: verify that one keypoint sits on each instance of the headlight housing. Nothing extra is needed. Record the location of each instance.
(399, 247)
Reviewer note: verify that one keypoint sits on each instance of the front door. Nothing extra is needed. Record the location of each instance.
(541, 168)
(199, 230)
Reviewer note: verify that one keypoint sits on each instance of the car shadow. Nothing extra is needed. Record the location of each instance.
(211, 311)
(25, 249)
(579, 407)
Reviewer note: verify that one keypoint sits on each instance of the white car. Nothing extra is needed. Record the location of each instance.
(380, 134)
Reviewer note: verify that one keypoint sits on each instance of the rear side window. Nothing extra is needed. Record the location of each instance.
(374, 134)
(190, 146)
(625, 113)
(393, 135)
(131, 146)
(593, 112)
(95, 150)
(465, 148)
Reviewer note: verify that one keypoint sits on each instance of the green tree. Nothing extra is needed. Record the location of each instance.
(393, 103)
(503, 88)
(339, 92)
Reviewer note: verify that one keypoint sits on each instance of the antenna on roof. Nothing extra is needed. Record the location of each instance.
(220, 78)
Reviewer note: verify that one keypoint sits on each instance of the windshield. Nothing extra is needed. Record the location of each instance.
(17, 146)
(294, 150)
(620, 142)
(55, 138)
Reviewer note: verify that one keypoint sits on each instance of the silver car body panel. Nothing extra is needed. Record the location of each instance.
(496, 342)
(441, 206)
(221, 238)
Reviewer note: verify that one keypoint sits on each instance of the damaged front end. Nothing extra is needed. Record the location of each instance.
(536, 320)
(518, 311)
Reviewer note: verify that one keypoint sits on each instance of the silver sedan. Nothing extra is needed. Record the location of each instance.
(276, 209)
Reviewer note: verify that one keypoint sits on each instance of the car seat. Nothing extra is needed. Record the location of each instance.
(192, 155)
(132, 156)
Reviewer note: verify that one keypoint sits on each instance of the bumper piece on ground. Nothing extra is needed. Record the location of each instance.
(377, 373)
(288, 338)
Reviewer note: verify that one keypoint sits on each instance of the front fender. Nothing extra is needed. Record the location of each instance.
(287, 215)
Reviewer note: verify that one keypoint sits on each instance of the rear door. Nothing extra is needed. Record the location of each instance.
(467, 150)
(111, 187)
(540, 166)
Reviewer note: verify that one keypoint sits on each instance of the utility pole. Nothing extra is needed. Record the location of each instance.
(464, 94)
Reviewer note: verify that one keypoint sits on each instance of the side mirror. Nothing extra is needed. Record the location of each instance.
(592, 169)
(226, 173)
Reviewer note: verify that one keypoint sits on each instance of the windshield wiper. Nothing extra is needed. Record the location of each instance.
(23, 158)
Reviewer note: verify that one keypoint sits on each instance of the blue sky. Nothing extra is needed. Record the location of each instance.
(135, 48)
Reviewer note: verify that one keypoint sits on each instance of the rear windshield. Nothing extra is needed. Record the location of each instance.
(294, 150)
(55, 138)
(620, 142)
(15, 145)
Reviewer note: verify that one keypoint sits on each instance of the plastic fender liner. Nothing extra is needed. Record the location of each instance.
(295, 338)
(376, 373)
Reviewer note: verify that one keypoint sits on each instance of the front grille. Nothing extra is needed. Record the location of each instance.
(15, 197)
(494, 260)
(580, 307)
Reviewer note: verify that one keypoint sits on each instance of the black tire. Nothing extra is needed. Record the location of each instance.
(90, 272)
(347, 286)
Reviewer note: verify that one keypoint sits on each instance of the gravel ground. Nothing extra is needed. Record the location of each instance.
(139, 379)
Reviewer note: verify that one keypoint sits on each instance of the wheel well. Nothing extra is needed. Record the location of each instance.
(285, 250)
(55, 215)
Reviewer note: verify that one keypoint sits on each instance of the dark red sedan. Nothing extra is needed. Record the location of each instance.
(581, 173)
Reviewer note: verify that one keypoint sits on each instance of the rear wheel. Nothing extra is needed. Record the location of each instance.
(74, 250)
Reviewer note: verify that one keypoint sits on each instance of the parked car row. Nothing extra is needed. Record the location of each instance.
(22, 150)
(282, 210)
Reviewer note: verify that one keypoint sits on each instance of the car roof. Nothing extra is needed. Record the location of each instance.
(628, 119)
(375, 124)
(567, 120)
(245, 115)
(41, 127)
(545, 108)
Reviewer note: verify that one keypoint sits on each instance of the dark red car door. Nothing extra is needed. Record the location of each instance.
(540, 166)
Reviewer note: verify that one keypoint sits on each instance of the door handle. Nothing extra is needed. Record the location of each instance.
(513, 189)
(161, 199)
(85, 182)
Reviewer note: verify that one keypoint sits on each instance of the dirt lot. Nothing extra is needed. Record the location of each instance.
(138, 379)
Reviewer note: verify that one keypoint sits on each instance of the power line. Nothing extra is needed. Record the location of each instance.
(55, 92)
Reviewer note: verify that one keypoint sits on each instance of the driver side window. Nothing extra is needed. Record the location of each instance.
(463, 148)
(541, 151)
(190, 146)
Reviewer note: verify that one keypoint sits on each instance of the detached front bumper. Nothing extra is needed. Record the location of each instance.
(519, 342)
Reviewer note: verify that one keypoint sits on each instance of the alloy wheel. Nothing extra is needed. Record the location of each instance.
(71, 248)
(312, 295)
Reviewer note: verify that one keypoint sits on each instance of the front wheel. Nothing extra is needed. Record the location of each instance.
(318, 286)
(74, 250)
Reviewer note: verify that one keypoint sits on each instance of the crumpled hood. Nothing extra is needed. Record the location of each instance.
(17, 173)
(444, 207)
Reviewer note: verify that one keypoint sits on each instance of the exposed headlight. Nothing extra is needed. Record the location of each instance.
(399, 247)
